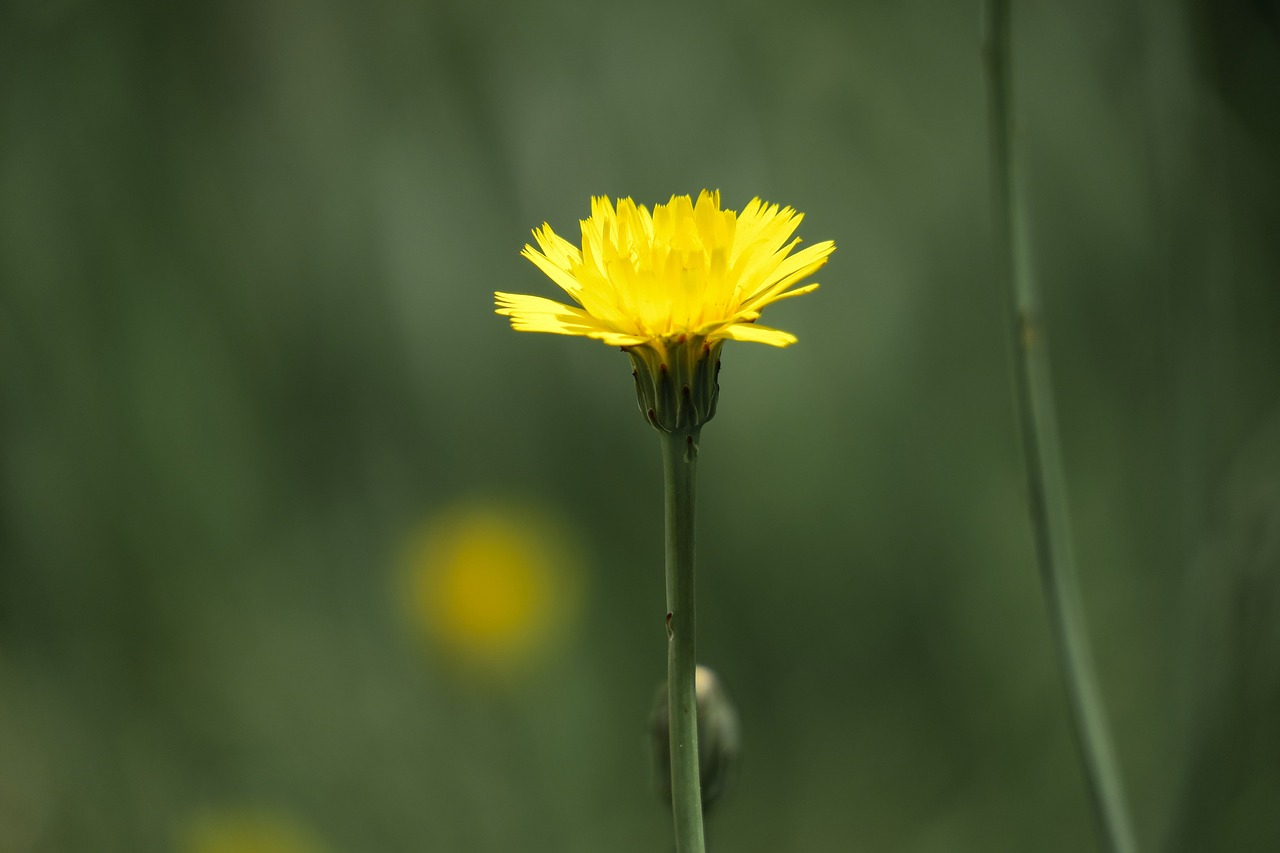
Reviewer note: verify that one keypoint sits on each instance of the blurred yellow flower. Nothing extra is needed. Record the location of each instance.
(686, 270)
(492, 586)
(248, 831)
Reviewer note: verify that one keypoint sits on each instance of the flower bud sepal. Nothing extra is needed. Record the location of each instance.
(677, 381)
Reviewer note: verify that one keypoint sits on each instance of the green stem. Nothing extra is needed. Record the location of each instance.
(1042, 455)
(679, 457)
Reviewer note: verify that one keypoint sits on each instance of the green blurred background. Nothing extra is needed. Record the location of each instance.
(247, 348)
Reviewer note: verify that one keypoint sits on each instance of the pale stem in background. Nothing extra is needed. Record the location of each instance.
(1042, 455)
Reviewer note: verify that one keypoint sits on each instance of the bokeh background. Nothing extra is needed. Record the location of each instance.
(302, 549)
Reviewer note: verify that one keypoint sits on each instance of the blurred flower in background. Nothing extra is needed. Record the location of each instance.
(249, 831)
(492, 587)
(25, 798)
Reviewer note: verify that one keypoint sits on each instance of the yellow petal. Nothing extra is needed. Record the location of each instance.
(560, 276)
(752, 333)
(536, 314)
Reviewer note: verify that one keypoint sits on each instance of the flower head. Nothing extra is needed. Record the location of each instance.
(492, 586)
(685, 269)
(670, 287)
(246, 832)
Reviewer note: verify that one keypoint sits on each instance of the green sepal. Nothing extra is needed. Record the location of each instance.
(677, 381)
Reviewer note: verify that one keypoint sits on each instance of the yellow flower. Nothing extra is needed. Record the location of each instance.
(249, 831)
(685, 270)
(670, 288)
(492, 586)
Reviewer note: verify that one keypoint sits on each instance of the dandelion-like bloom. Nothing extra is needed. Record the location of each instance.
(670, 287)
(492, 586)
(246, 832)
